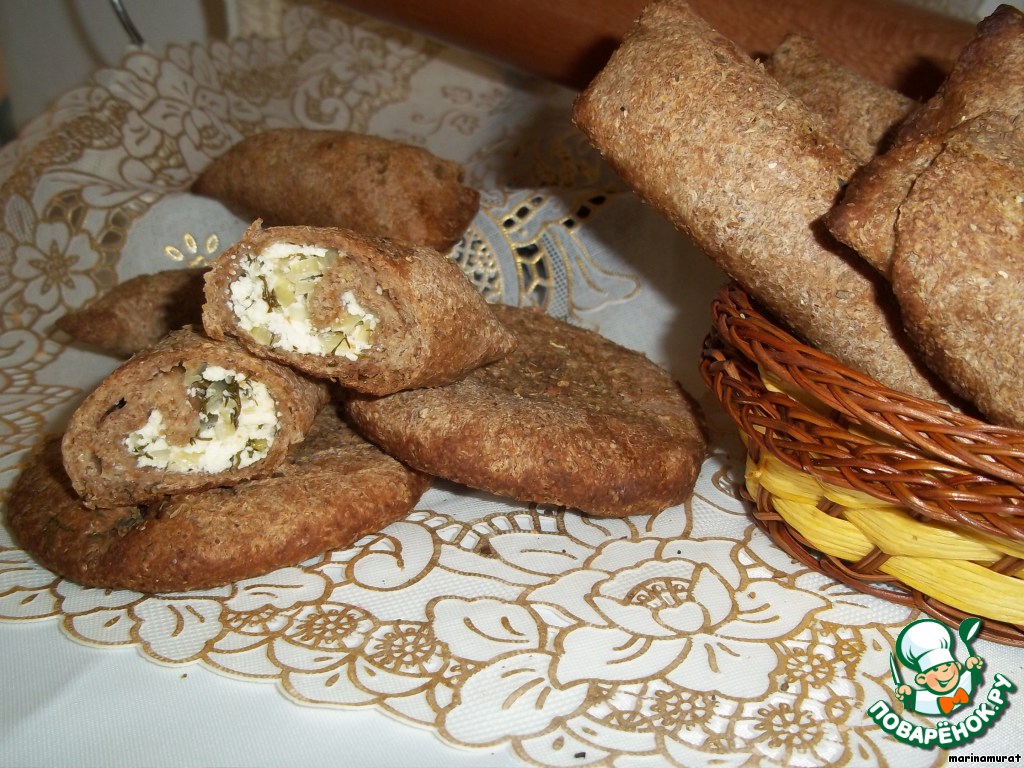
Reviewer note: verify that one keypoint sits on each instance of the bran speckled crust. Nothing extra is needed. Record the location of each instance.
(433, 325)
(865, 218)
(331, 489)
(382, 188)
(860, 112)
(569, 418)
(139, 312)
(988, 76)
(958, 269)
(703, 134)
(101, 467)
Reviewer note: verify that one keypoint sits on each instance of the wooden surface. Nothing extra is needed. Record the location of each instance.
(568, 41)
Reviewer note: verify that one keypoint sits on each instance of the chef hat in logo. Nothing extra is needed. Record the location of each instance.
(924, 644)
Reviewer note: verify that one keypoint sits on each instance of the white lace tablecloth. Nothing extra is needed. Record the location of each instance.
(477, 631)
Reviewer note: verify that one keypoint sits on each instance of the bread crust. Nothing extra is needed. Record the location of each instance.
(988, 76)
(986, 79)
(379, 187)
(138, 312)
(957, 269)
(101, 468)
(331, 489)
(865, 218)
(861, 113)
(705, 136)
(569, 418)
(435, 326)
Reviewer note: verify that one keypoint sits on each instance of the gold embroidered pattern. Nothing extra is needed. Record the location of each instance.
(675, 638)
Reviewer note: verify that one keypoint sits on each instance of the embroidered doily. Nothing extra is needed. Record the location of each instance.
(685, 638)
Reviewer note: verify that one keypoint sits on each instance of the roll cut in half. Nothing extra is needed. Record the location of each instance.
(331, 489)
(187, 414)
(375, 315)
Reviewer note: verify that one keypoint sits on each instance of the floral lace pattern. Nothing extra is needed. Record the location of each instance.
(683, 638)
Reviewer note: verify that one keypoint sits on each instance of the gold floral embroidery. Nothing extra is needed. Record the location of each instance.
(619, 639)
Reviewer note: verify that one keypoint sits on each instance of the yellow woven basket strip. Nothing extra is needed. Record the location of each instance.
(1006, 546)
(785, 482)
(964, 585)
(887, 526)
(942, 562)
(971, 588)
(896, 533)
(831, 535)
(853, 499)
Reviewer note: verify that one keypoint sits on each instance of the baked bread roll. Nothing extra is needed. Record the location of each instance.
(988, 76)
(569, 418)
(138, 312)
(330, 490)
(710, 140)
(381, 188)
(939, 215)
(958, 269)
(188, 413)
(373, 314)
(859, 112)
(865, 217)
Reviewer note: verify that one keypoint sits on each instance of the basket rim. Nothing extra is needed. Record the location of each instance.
(838, 446)
(932, 427)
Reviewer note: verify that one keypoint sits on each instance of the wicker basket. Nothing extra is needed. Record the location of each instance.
(896, 496)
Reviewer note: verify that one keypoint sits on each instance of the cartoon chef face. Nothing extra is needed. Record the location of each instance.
(942, 678)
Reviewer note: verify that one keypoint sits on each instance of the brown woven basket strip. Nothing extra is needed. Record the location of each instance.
(793, 433)
(932, 427)
(1007, 565)
(806, 441)
(759, 386)
(924, 424)
(871, 564)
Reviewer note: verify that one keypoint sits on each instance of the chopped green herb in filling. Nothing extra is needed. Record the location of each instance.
(237, 426)
(270, 300)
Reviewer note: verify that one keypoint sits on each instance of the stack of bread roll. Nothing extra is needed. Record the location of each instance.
(882, 231)
(329, 368)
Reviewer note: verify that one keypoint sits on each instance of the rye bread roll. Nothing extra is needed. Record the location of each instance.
(331, 489)
(988, 76)
(373, 314)
(860, 113)
(569, 418)
(186, 414)
(138, 312)
(958, 269)
(709, 139)
(865, 217)
(382, 188)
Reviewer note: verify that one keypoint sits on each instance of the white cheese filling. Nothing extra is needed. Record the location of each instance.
(237, 426)
(270, 300)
